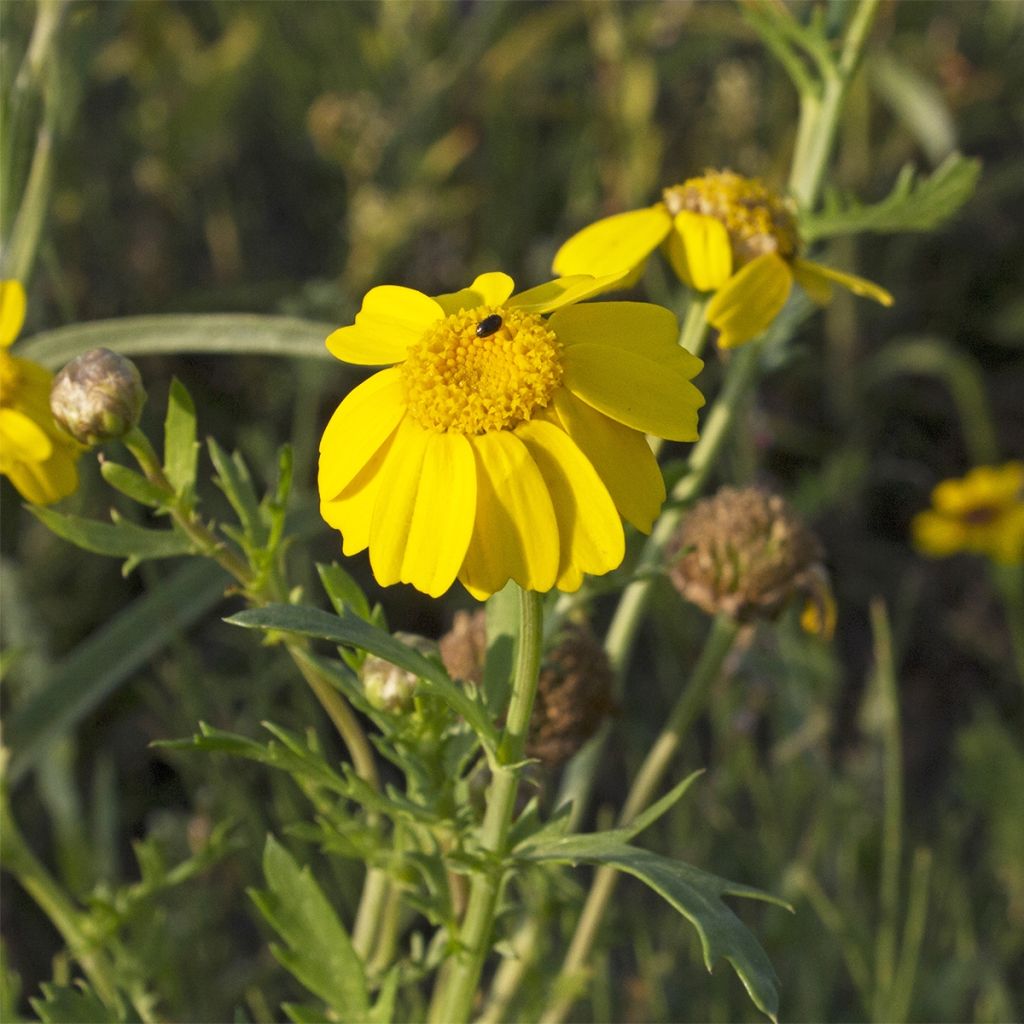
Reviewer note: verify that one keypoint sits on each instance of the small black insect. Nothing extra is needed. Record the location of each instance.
(488, 326)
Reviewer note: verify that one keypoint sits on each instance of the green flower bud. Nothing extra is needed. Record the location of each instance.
(388, 687)
(97, 397)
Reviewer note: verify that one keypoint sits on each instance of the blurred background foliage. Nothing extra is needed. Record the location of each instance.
(282, 158)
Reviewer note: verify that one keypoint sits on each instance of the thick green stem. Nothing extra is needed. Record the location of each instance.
(691, 703)
(453, 1000)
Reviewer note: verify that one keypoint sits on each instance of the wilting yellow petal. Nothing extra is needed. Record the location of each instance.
(516, 534)
(490, 289)
(816, 280)
(12, 311)
(643, 393)
(590, 533)
(360, 425)
(698, 249)
(750, 300)
(392, 319)
(622, 457)
(614, 245)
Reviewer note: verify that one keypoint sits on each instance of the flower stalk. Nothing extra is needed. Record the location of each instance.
(454, 999)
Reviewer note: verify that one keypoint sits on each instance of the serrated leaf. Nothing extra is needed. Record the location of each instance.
(351, 631)
(181, 452)
(342, 590)
(122, 539)
(696, 894)
(318, 951)
(63, 1004)
(133, 484)
(914, 204)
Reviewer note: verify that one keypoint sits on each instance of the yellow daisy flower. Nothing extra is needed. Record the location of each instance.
(982, 513)
(499, 443)
(35, 454)
(722, 233)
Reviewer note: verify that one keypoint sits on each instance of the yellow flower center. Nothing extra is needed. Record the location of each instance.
(482, 369)
(758, 220)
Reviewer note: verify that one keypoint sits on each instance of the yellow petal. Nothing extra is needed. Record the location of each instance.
(640, 327)
(392, 319)
(12, 311)
(937, 535)
(649, 395)
(351, 511)
(750, 300)
(43, 483)
(22, 439)
(698, 249)
(616, 245)
(563, 291)
(487, 290)
(516, 534)
(590, 533)
(423, 516)
(622, 457)
(815, 279)
(360, 425)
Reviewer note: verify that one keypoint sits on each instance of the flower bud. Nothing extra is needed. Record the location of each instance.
(745, 553)
(97, 397)
(387, 686)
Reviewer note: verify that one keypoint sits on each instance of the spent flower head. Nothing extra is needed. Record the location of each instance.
(97, 397)
(746, 554)
(505, 440)
(981, 513)
(722, 234)
(37, 457)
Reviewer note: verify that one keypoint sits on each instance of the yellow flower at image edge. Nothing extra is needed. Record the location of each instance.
(722, 233)
(499, 443)
(981, 513)
(35, 454)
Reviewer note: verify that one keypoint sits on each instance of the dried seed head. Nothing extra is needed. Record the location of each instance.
(574, 695)
(745, 553)
(97, 397)
(389, 687)
(464, 646)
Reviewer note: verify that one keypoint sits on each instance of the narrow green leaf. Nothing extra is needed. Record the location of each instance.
(696, 895)
(132, 484)
(317, 951)
(351, 631)
(64, 1004)
(122, 539)
(94, 669)
(914, 204)
(343, 590)
(181, 452)
(234, 480)
(218, 334)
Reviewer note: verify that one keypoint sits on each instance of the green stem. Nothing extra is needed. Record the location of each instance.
(690, 704)
(454, 999)
(32, 876)
(694, 332)
(1010, 581)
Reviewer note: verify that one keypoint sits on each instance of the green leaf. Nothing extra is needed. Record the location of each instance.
(122, 539)
(62, 1004)
(351, 631)
(914, 204)
(695, 894)
(133, 484)
(343, 590)
(234, 480)
(94, 669)
(317, 951)
(181, 452)
(220, 334)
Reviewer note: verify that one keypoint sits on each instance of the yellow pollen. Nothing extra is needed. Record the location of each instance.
(457, 381)
(758, 220)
